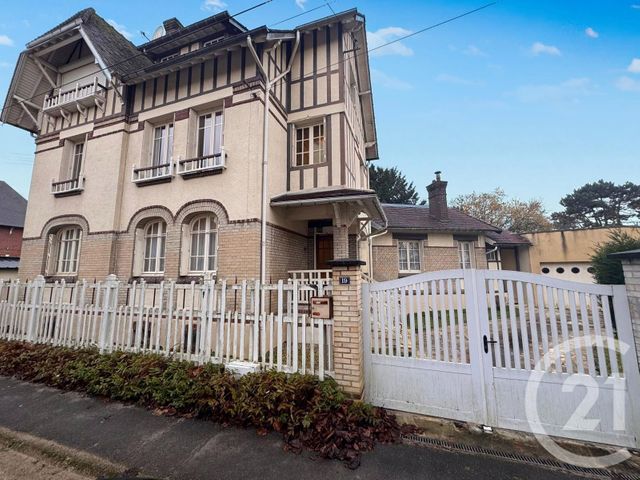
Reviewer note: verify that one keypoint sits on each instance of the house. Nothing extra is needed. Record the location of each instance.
(566, 254)
(422, 238)
(12, 210)
(169, 162)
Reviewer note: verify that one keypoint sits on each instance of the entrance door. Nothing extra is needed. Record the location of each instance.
(324, 251)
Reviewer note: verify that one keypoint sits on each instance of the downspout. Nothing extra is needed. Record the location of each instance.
(265, 145)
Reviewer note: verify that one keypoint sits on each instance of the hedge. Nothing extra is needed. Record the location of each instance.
(309, 413)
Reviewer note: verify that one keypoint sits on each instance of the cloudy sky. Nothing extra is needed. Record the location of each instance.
(535, 96)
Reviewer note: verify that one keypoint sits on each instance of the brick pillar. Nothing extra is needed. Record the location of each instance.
(340, 242)
(347, 331)
(631, 268)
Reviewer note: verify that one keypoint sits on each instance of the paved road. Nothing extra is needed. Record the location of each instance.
(190, 449)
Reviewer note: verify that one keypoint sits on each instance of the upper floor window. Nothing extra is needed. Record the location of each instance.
(409, 256)
(310, 145)
(155, 234)
(76, 160)
(204, 244)
(162, 145)
(210, 134)
(465, 254)
(64, 251)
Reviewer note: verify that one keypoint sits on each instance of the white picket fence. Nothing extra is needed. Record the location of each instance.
(213, 321)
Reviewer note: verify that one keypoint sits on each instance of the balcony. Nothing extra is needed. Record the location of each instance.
(78, 99)
(160, 173)
(65, 188)
(208, 165)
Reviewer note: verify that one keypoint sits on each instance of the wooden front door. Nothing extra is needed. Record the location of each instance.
(324, 251)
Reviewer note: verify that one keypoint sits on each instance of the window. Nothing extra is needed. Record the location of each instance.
(67, 243)
(76, 160)
(465, 254)
(155, 234)
(162, 145)
(409, 256)
(204, 244)
(210, 134)
(492, 255)
(309, 145)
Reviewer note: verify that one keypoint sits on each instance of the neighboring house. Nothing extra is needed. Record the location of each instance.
(566, 254)
(12, 210)
(435, 237)
(156, 151)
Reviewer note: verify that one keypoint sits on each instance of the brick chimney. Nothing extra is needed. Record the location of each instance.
(438, 198)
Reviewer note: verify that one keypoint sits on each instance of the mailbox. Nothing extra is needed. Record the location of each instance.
(321, 307)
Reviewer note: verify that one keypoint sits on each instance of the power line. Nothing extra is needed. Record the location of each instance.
(404, 37)
(142, 53)
(325, 4)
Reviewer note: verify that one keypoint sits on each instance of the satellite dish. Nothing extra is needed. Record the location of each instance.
(159, 32)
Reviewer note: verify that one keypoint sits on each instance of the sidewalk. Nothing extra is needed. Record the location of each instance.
(165, 447)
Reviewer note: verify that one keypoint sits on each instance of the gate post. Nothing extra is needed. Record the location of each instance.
(631, 268)
(37, 291)
(110, 300)
(348, 351)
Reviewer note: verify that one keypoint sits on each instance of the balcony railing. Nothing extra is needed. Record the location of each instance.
(87, 95)
(209, 164)
(152, 174)
(67, 187)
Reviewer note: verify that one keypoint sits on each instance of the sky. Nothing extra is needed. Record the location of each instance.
(537, 97)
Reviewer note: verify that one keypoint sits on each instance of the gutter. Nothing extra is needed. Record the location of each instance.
(265, 146)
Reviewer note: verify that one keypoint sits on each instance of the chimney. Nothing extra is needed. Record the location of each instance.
(438, 198)
(172, 25)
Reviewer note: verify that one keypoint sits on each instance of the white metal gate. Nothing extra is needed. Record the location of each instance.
(506, 349)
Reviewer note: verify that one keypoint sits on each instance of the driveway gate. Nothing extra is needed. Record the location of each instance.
(506, 349)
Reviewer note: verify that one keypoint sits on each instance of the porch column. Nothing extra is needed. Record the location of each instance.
(348, 352)
(631, 267)
(341, 222)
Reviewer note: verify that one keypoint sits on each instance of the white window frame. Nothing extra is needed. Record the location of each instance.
(407, 246)
(165, 144)
(208, 147)
(314, 153)
(204, 237)
(67, 244)
(465, 254)
(153, 263)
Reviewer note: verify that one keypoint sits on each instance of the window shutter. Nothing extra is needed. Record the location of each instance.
(185, 251)
(192, 134)
(147, 145)
(138, 252)
(52, 254)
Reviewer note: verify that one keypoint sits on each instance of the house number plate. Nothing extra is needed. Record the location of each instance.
(345, 280)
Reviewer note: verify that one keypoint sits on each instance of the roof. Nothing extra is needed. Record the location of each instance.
(629, 254)
(506, 238)
(365, 198)
(9, 263)
(418, 218)
(13, 207)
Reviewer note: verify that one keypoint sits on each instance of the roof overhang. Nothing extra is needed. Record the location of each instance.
(366, 200)
(34, 75)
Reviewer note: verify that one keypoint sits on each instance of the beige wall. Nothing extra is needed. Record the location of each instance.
(116, 143)
(567, 246)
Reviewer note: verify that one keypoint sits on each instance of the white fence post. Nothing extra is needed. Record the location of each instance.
(110, 300)
(37, 290)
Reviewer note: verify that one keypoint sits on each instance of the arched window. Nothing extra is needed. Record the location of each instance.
(203, 244)
(155, 234)
(64, 251)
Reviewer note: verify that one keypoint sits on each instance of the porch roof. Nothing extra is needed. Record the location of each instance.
(366, 199)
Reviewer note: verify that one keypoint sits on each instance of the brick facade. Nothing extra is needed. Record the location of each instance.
(347, 331)
(385, 260)
(10, 241)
